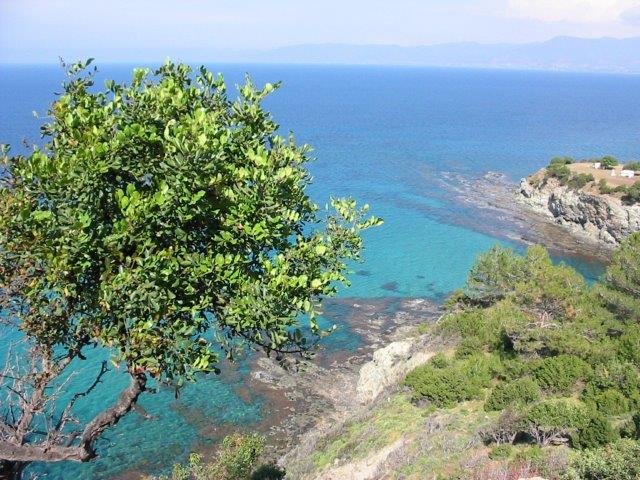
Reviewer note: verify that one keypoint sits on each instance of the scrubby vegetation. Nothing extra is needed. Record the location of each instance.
(635, 166)
(558, 168)
(556, 359)
(608, 162)
(237, 459)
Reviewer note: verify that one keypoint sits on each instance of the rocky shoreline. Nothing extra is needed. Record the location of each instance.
(500, 211)
(308, 400)
(596, 217)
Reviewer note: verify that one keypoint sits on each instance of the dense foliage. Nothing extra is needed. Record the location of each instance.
(165, 222)
(556, 358)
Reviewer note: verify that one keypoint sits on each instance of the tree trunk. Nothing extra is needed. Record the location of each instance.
(13, 453)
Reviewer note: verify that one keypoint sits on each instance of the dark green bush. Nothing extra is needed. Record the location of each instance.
(462, 380)
(609, 402)
(439, 360)
(594, 431)
(559, 374)
(617, 461)
(552, 420)
(629, 428)
(608, 162)
(268, 472)
(632, 194)
(518, 392)
(501, 452)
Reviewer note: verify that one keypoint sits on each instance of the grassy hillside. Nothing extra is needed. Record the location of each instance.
(544, 380)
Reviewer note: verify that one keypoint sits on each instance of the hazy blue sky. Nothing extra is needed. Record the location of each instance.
(126, 30)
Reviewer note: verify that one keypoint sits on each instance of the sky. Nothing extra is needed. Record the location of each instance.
(37, 31)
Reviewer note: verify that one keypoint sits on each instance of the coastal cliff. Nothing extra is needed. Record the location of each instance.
(587, 213)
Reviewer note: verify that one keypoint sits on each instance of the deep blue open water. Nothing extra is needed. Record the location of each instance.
(385, 136)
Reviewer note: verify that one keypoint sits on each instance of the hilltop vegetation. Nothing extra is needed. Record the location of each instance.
(559, 169)
(544, 380)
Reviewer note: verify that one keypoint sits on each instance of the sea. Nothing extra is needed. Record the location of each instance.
(393, 137)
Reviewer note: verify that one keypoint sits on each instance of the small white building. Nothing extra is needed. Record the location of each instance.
(627, 173)
(597, 165)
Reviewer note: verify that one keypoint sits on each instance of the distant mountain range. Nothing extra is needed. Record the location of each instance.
(560, 53)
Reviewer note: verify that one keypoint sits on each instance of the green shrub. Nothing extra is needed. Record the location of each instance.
(632, 194)
(552, 420)
(236, 460)
(604, 187)
(519, 392)
(468, 347)
(608, 162)
(501, 452)
(629, 345)
(619, 376)
(462, 380)
(635, 166)
(594, 431)
(560, 373)
(617, 461)
(440, 360)
(559, 171)
(609, 402)
(580, 180)
(629, 428)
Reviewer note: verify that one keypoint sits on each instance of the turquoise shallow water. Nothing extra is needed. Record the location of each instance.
(385, 136)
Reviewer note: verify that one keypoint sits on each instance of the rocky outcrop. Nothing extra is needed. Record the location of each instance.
(388, 366)
(591, 215)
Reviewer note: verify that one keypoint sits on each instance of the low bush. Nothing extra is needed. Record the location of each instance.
(552, 420)
(580, 180)
(604, 187)
(518, 392)
(631, 194)
(617, 461)
(609, 402)
(635, 166)
(594, 431)
(608, 162)
(630, 428)
(501, 452)
(560, 373)
(462, 380)
(469, 347)
(236, 460)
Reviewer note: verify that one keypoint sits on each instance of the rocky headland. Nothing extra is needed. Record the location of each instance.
(593, 216)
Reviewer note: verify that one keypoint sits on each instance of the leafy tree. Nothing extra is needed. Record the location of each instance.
(494, 275)
(620, 289)
(166, 223)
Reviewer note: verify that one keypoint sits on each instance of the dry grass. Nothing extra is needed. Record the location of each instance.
(598, 174)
